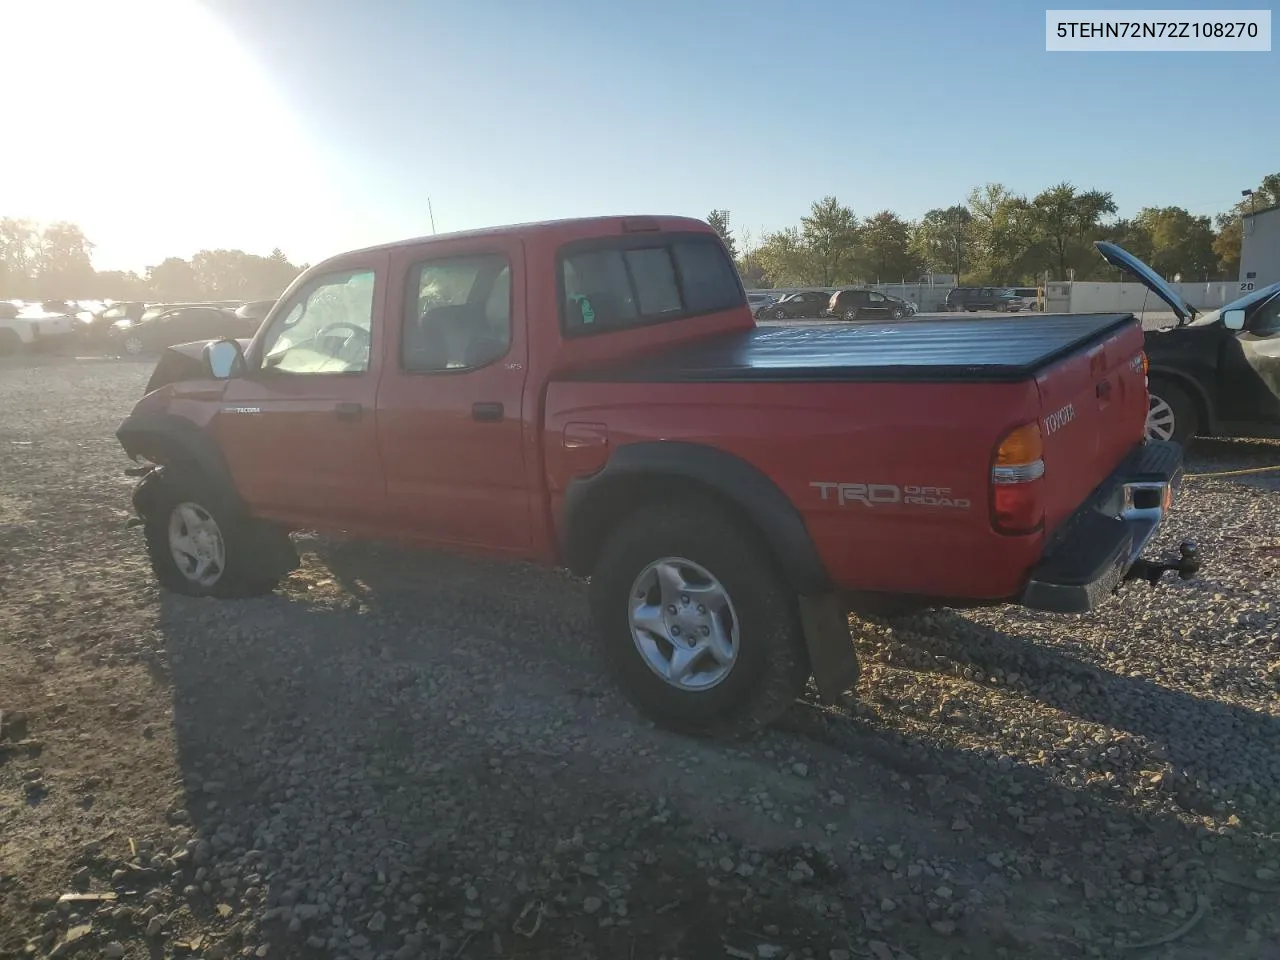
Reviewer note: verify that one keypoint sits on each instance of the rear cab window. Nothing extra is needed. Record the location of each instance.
(624, 282)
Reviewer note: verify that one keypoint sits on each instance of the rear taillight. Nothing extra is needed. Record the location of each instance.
(1017, 472)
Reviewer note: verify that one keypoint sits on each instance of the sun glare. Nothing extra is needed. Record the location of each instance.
(145, 122)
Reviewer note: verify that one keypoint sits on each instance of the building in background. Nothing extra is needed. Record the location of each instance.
(1260, 249)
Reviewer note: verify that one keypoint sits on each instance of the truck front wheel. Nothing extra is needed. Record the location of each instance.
(199, 548)
(698, 627)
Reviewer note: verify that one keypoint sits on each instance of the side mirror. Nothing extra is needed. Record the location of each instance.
(223, 359)
(1233, 319)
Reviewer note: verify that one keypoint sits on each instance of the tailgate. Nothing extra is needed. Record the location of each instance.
(1093, 412)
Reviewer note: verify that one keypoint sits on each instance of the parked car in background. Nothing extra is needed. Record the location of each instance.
(1030, 297)
(154, 331)
(29, 327)
(255, 310)
(1214, 374)
(795, 306)
(971, 299)
(866, 305)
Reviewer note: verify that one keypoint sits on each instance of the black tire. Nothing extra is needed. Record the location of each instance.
(771, 667)
(1181, 405)
(849, 315)
(10, 342)
(898, 313)
(779, 314)
(243, 540)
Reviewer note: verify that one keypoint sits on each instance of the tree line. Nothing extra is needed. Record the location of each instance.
(55, 262)
(996, 237)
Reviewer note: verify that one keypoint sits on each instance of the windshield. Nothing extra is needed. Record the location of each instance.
(1248, 300)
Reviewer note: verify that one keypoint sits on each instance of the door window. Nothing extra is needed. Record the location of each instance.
(457, 314)
(877, 298)
(608, 285)
(1266, 322)
(327, 329)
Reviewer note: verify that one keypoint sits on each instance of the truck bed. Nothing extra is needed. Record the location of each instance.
(999, 350)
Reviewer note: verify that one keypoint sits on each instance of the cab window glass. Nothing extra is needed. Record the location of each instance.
(327, 329)
(458, 314)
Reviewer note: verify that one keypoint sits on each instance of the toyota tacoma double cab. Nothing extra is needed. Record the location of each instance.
(594, 394)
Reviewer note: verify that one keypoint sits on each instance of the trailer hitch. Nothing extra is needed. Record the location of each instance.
(1186, 566)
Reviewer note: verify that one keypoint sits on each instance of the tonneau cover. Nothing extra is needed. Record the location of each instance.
(1001, 349)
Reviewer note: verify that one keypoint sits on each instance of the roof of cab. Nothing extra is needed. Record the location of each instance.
(587, 226)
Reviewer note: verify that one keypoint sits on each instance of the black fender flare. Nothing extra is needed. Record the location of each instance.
(591, 503)
(1192, 386)
(176, 443)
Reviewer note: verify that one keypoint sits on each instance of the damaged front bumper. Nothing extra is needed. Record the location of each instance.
(1101, 545)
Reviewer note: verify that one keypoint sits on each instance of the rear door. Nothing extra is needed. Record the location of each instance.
(299, 429)
(451, 421)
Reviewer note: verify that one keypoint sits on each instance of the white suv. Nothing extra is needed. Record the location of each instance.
(24, 329)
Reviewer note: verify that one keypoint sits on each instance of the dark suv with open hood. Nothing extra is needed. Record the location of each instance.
(1214, 374)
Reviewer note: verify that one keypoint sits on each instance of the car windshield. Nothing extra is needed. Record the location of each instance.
(1243, 303)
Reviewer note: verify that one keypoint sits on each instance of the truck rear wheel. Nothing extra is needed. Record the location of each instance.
(698, 627)
(200, 548)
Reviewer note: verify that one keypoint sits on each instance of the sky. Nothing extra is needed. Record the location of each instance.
(167, 126)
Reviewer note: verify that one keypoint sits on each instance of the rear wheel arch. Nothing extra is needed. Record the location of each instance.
(641, 474)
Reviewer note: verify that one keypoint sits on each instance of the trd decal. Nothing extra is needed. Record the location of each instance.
(886, 494)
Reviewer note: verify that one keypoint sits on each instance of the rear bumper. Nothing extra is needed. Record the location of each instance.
(1101, 545)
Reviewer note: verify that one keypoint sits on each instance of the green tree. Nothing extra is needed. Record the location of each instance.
(940, 241)
(784, 259)
(1226, 246)
(19, 257)
(1062, 222)
(830, 240)
(886, 248)
(1178, 242)
(719, 222)
(1002, 235)
(119, 285)
(63, 267)
(174, 279)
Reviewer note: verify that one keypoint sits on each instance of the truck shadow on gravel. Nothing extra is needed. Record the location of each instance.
(1196, 746)
(401, 754)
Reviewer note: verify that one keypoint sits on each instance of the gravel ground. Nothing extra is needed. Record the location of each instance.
(402, 755)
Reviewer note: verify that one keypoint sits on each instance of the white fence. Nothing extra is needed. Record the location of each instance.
(1090, 297)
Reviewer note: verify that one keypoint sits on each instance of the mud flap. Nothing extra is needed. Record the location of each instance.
(825, 621)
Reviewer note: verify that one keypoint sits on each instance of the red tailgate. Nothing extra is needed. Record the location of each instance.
(1093, 409)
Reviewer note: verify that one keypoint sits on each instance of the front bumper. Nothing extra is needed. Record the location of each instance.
(1101, 545)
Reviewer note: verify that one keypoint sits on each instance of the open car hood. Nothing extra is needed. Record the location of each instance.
(1122, 259)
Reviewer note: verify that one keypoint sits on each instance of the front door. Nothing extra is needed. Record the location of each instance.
(451, 414)
(299, 427)
(1250, 387)
(877, 305)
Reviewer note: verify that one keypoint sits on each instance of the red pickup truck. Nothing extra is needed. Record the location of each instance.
(595, 394)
